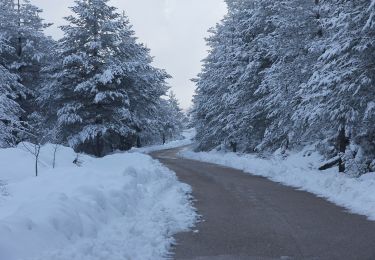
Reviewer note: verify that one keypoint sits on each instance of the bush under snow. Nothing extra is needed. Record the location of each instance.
(123, 206)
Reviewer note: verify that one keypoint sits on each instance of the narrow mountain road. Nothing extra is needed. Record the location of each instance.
(246, 217)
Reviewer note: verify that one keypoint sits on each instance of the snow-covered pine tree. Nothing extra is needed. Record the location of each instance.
(87, 88)
(166, 123)
(290, 47)
(147, 85)
(174, 117)
(177, 114)
(10, 88)
(211, 104)
(227, 87)
(22, 29)
(103, 81)
(31, 50)
(264, 85)
(338, 101)
(248, 123)
(10, 111)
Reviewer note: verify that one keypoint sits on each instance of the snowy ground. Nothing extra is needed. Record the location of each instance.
(299, 170)
(188, 135)
(123, 206)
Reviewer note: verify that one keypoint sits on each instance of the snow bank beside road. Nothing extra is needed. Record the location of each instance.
(123, 206)
(187, 140)
(300, 171)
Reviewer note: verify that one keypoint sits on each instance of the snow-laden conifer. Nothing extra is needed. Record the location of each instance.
(103, 86)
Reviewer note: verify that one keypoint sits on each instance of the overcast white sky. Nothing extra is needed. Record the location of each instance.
(173, 29)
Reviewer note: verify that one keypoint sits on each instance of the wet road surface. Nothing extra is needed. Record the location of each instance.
(246, 217)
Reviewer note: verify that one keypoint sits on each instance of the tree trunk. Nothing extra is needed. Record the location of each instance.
(98, 146)
(318, 17)
(333, 162)
(234, 146)
(342, 143)
(139, 144)
(54, 156)
(37, 152)
(163, 138)
(19, 46)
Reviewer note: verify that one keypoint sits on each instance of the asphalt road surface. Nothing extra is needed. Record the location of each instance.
(246, 217)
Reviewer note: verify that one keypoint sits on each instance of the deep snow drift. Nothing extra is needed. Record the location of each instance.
(123, 206)
(299, 170)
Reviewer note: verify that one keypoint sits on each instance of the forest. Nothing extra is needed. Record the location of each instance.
(274, 158)
(95, 90)
(281, 75)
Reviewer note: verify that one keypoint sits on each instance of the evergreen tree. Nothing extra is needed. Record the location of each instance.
(281, 74)
(147, 86)
(10, 111)
(338, 101)
(165, 124)
(248, 124)
(103, 83)
(213, 85)
(26, 50)
(31, 49)
(174, 118)
(290, 46)
(227, 86)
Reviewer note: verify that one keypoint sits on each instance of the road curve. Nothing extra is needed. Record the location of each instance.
(247, 217)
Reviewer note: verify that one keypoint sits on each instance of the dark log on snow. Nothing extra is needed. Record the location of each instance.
(331, 163)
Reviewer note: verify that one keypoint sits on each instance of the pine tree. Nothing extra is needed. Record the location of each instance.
(213, 85)
(174, 117)
(248, 124)
(10, 111)
(147, 85)
(103, 84)
(281, 74)
(25, 54)
(291, 48)
(227, 86)
(338, 101)
(31, 50)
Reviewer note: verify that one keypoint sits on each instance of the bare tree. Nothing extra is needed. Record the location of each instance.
(38, 136)
(35, 151)
(55, 148)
